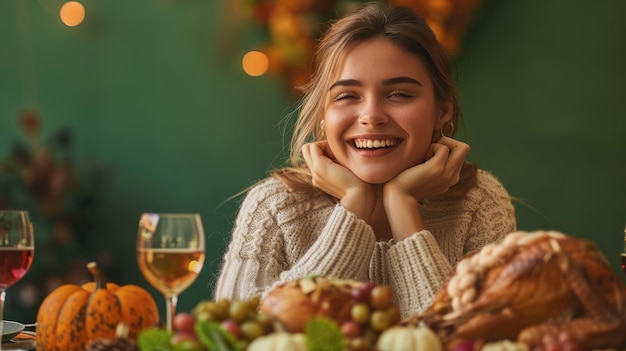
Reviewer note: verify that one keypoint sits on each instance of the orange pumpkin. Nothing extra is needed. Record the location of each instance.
(72, 316)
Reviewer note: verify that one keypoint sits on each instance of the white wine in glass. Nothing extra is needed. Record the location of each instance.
(170, 254)
(17, 248)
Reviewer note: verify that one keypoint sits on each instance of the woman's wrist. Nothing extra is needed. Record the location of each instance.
(360, 201)
(403, 213)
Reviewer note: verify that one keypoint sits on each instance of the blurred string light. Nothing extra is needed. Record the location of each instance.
(255, 63)
(72, 13)
(292, 28)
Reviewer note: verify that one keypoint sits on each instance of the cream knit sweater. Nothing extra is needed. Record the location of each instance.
(280, 236)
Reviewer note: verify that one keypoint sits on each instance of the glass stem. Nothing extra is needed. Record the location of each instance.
(2, 296)
(170, 311)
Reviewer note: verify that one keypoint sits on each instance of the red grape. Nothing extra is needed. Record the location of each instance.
(381, 297)
(350, 329)
(232, 327)
(362, 292)
(184, 322)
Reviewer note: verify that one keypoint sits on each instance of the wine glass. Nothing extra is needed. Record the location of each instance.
(623, 254)
(170, 254)
(17, 247)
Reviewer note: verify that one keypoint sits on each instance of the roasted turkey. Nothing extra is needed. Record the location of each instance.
(545, 289)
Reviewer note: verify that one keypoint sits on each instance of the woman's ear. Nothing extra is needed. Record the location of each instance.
(445, 114)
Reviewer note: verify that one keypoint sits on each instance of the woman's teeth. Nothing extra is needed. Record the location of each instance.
(374, 144)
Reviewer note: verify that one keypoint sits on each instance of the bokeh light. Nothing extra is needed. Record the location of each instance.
(72, 13)
(255, 63)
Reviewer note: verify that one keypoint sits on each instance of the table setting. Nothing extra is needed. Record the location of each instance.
(18, 336)
(541, 290)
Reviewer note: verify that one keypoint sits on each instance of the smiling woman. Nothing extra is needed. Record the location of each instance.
(377, 189)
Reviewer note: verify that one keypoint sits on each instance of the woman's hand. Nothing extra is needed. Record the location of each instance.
(336, 180)
(435, 176)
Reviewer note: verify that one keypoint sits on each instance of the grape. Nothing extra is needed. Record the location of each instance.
(362, 292)
(360, 313)
(265, 320)
(221, 308)
(381, 297)
(380, 320)
(183, 322)
(394, 313)
(238, 311)
(211, 310)
(232, 327)
(252, 329)
(350, 329)
(204, 316)
(254, 301)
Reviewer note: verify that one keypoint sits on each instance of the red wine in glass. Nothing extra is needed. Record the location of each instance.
(16, 250)
(623, 255)
(14, 263)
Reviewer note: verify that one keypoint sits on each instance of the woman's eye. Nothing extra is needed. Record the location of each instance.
(342, 96)
(400, 94)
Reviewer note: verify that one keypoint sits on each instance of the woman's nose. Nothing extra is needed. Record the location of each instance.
(372, 113)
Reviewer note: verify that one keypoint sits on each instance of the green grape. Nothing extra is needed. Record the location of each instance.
(238, 311)
(254, 301)
(380, 320)
(204, 316)
(265, 320)
(221, 309)
(360, 313)
(252, 330)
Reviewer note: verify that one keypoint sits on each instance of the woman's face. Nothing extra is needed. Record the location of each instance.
(382, 111)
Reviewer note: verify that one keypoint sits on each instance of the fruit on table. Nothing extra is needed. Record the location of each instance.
(279, 341)
(241, 319)
(361, 309)
(401, 338)
(72, 316)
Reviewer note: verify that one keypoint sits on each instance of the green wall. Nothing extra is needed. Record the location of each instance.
(155, 93)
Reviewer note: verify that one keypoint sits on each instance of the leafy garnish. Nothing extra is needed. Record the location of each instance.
(215, 338)
(154, 339)
(323, 334)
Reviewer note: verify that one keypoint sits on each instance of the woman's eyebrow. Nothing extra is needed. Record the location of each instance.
(400, 80)
(389, 81)
(345, 83)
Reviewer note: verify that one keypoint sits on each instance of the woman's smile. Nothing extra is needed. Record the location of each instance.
(374, 144)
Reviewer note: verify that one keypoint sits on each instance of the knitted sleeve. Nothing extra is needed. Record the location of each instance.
(280, 236)
(417, 267)
(342, 249)
(494, 216)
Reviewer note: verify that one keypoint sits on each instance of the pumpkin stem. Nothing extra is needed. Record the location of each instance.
(121, 332)
(101, 282)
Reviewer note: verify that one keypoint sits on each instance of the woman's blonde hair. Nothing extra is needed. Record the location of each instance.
(401, 26)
